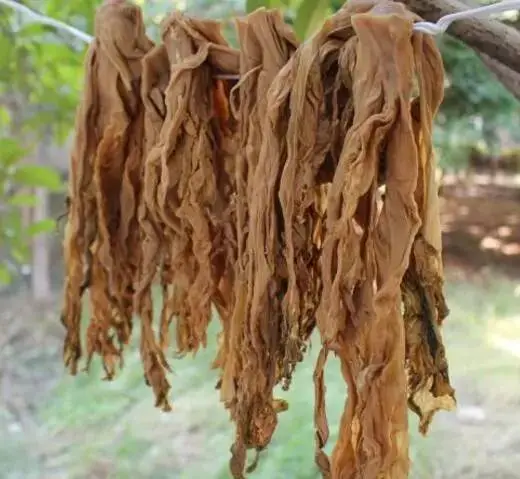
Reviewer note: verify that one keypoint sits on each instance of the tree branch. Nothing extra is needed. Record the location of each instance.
(497, 44)
(509, 78)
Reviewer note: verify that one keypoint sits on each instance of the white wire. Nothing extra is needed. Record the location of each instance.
(443, 23)
(426, 27)
(38, 18)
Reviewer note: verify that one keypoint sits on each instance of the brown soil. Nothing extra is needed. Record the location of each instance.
(481, 226)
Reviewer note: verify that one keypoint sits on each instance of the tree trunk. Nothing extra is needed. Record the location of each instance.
(40, 278)
(26, 210)
(41, 288)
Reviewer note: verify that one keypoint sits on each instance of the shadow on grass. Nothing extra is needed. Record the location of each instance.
(89, 428)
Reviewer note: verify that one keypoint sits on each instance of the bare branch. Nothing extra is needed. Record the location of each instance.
(491, 37)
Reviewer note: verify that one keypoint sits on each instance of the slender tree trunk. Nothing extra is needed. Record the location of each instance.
(40, 278)
(26, 211)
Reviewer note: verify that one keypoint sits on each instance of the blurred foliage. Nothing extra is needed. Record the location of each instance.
(14, 175)
(40, 69)
(472, 89)
(475, 107)
(40, 80)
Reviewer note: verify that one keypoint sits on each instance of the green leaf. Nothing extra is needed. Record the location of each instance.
(22, 200)
(5, 275)
(5, 116)
(38, 176)
(309, 15)
(252, 5)
(20, 253)
(43, 226)
(10, 152)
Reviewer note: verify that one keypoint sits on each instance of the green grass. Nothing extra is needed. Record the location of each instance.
(92, 428)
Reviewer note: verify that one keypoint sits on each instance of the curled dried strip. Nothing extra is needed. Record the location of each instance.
(189, 187)
(429, 388)
(80, 229)
(105, 171)
(155, 78)
(254, 362)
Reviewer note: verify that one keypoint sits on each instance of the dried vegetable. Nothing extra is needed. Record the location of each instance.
(290, 188)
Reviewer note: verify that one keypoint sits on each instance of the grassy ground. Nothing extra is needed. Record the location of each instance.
(57, 426)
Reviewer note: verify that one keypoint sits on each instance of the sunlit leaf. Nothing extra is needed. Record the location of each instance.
(252, 5)
(39, 227)
(38, 176)
(10, 151)
(310, 13)
(5, 117)
(22, 200)
(5, 275)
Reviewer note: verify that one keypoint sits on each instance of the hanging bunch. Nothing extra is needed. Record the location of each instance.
(255, 337)
(370, 238)
(298, 196)
(102, 240)
(187, 213)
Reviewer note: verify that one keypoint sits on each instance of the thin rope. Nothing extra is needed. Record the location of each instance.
(44, 20)
(486, 11)
(437, 28)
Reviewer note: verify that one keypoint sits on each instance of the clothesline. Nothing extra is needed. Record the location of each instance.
(479, 12)
(44, 20)
(437, 28)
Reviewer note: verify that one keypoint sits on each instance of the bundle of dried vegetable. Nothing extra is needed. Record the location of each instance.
(274, 215)
(340, 114)
(102, 236)
(255, 340)
(189, 180)
(369, 241)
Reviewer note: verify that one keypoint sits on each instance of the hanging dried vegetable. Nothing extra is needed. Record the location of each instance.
(189, 179)
(255, 337)
(369, 241)
(302, 197)
(101, 238)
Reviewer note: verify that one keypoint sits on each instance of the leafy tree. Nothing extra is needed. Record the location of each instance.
(14, 173)
(40, 79)
(475, 104)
